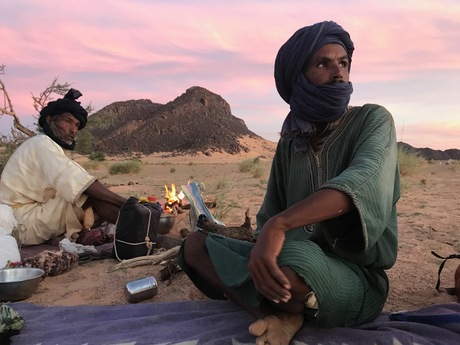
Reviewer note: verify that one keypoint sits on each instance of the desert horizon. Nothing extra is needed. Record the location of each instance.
(428, 218)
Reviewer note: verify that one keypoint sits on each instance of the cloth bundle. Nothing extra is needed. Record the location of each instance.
(53, 263)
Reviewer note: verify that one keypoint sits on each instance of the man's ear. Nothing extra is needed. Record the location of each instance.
(48, 119)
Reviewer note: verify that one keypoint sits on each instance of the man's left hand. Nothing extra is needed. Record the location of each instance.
(268, 278)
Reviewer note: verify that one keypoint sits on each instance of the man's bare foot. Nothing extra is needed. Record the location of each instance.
(276, 329)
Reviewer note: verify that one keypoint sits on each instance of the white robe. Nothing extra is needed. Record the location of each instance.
(44, 187)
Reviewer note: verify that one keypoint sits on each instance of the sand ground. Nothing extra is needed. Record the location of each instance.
(429, 218)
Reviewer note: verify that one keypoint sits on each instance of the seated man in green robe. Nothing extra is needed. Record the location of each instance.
(327, 229)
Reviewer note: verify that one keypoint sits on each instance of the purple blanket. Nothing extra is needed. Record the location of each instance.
(216, 322)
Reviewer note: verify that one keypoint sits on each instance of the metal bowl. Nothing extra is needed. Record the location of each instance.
(167, 221)
(17, 284)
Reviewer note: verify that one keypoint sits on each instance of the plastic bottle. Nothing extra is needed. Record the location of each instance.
(153, 200)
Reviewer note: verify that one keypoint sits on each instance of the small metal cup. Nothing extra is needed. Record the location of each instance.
(142, 289)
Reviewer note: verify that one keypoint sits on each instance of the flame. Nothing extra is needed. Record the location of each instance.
(171, 195)
(172, 198)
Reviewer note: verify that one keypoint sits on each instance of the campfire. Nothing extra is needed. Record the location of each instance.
(173, 200)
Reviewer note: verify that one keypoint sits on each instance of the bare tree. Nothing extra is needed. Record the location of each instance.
(8, 110)
(38, 102)
(46, 96)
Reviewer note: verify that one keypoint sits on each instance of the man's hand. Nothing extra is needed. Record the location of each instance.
(268, 279)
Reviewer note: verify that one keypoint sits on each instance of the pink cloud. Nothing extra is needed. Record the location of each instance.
(435, 135)
(129, 50)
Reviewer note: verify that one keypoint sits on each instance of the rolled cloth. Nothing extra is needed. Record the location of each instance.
(68, 104)
(310, 103)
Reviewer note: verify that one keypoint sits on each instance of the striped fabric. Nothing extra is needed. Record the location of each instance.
(342, 259)
(347, 295)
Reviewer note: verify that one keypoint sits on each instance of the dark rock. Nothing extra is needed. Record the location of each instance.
(431, 154)
(196, 121)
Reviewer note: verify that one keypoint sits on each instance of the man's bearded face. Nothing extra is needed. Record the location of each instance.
(65, 127)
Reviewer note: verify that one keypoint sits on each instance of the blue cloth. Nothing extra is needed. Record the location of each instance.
(309, 103)
(210, 323)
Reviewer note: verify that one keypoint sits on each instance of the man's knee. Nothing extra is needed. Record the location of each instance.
(194, 247)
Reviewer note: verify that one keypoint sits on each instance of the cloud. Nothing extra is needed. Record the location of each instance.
(435, 135)
(405, 57)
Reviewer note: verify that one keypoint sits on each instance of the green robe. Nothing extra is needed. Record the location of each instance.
(342, 259)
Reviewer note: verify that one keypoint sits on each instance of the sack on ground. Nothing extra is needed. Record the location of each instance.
(135, 229)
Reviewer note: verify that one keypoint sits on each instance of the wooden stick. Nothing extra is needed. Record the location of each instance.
(243, 232)
(147, 259)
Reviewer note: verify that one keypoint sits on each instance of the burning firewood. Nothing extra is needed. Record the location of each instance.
(243, 232)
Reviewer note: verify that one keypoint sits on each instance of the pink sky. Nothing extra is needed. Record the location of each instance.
(406, 58)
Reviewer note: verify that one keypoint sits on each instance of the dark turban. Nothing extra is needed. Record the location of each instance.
(309, 103)
(68, 104)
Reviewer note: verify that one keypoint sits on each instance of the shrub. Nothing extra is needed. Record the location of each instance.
(97, 156)
(85, 142)
(91, 165)
(223, 207)
(257, 171)
(246, 165)
(409, 162)
(128, 167)
(252, 165)
(7, 148)
(222, 184)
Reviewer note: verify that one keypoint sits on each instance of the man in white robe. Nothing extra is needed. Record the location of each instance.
(50, 193)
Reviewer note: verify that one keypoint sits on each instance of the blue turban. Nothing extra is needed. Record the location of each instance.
(310, 103)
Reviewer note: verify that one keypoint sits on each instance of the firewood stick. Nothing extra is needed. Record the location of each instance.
(147, 259)
(243, 232)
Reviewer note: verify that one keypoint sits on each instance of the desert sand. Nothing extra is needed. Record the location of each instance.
(429, 218)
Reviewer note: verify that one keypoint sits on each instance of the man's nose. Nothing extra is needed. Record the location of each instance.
(74, 129)
(337, 73)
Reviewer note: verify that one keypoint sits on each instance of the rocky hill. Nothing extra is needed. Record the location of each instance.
(431, 154)
(196, 121)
